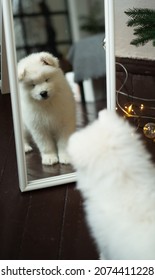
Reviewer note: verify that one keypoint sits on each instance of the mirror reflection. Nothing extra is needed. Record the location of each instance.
(73, 32)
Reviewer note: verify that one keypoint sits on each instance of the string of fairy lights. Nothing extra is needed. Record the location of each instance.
(136, 108)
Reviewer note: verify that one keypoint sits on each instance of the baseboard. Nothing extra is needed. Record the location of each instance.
(137, 66)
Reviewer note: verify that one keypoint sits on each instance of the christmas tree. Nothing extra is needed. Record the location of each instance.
(143, 21)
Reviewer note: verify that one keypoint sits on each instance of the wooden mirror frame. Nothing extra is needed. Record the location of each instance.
(24, 184)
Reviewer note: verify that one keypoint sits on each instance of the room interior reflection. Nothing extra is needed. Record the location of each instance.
(48, 26)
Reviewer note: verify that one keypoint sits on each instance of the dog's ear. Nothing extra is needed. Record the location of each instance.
(21, 73)
(48, 59)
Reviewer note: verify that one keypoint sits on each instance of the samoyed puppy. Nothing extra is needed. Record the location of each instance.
(48, 107)
(117, 181)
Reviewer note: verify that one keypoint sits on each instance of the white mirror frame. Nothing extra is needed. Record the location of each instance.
(16, 108)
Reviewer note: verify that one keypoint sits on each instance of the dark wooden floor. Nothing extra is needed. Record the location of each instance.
(43, 224)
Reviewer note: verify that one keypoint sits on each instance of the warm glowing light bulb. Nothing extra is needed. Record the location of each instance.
(130, 109)
(149, 130)
(141, 107)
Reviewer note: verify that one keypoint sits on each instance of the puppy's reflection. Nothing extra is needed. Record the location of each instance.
(48, 107)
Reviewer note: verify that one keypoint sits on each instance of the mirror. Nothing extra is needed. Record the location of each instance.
(61, 18)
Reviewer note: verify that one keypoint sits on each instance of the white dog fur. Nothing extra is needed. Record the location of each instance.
(117, 180)
(48, 108)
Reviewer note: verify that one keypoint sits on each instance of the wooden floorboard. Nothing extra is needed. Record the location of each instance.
(78, 244)
(6, 129)
(45, 224)
(13, 209)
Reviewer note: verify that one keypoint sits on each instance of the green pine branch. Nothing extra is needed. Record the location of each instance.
(144, 21)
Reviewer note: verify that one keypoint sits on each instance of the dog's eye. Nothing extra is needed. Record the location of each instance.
(33, 85)
(46, 80)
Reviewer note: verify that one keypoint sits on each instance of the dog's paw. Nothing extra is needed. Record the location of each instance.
(64, 158)
(49, 159)
(27, 148)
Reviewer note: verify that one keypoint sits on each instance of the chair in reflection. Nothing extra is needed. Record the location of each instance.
(87, 58)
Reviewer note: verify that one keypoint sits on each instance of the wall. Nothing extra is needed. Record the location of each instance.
(124, 34)
(79, 8)
(83, 7)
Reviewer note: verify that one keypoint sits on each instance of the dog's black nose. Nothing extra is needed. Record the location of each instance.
(44, 94)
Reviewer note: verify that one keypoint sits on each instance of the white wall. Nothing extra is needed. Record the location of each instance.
(124, 34)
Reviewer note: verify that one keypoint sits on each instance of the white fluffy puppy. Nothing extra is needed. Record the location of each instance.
(48, 107)
(117, 180)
